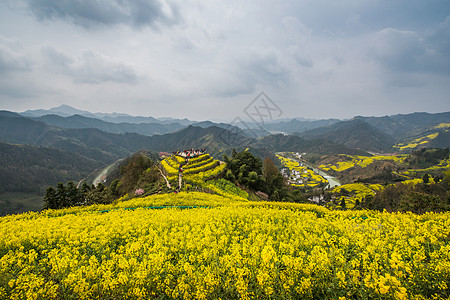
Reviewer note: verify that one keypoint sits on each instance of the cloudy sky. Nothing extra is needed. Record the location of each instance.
(210, 59)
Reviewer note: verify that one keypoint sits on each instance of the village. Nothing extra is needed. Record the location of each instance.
(300, 174)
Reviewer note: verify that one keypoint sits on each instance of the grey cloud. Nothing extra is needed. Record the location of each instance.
(96, 68)
(91, 67)
(56, 59)
(17, 90)
(265, 67)
(398, 49)
(350, 17)
(242, 76)
(440, 36)
(12, 57)
(438, 43)
(231, 85)
(91, 14)
(409, 51)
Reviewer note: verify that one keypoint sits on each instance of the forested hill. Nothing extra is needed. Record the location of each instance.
(281, 142)
(104, 146)
(354, 134)
(403, 125)
(25, 168)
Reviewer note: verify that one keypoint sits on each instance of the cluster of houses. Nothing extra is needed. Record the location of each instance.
(294, 176)
(190, 152)
(297, 178)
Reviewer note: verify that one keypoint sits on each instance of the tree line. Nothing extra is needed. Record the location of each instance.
(70, 195)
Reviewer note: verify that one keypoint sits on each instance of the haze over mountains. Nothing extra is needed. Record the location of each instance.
(42, 147)
(106, 137)
(67, 111)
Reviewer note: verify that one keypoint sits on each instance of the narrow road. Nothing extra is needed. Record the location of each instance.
(102, 176)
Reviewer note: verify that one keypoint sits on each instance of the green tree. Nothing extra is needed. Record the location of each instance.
(275, 196)
(50, 198)
(73, 194)
(85, 189)
(251, 162)
(270, 171)
(61, 196)
(133, 171)
(229, 175)
(233, 153)
(343, 204)
(113, 188)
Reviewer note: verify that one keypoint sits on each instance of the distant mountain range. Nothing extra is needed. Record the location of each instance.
(90, 135)
(80, 122)
(67, 111)
(367, 133)
(377, 134)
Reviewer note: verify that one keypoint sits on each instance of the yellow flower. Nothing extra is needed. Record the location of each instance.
(384, 289)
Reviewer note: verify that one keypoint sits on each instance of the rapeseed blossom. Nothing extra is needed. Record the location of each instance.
(232, 249)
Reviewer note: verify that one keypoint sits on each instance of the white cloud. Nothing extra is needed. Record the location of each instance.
(12, 56)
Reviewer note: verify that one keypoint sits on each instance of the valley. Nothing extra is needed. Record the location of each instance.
(224, 218)
(334, 152)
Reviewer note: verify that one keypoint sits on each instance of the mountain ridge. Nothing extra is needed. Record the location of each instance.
(353, 133)
(79, 122)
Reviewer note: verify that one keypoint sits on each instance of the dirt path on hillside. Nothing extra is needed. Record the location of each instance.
(165, 178)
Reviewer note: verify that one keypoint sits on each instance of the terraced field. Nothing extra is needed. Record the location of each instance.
(200, 173)
(352, 161)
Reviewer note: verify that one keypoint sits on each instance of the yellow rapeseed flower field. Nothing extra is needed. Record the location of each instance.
(352, 161)
(223, 249)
